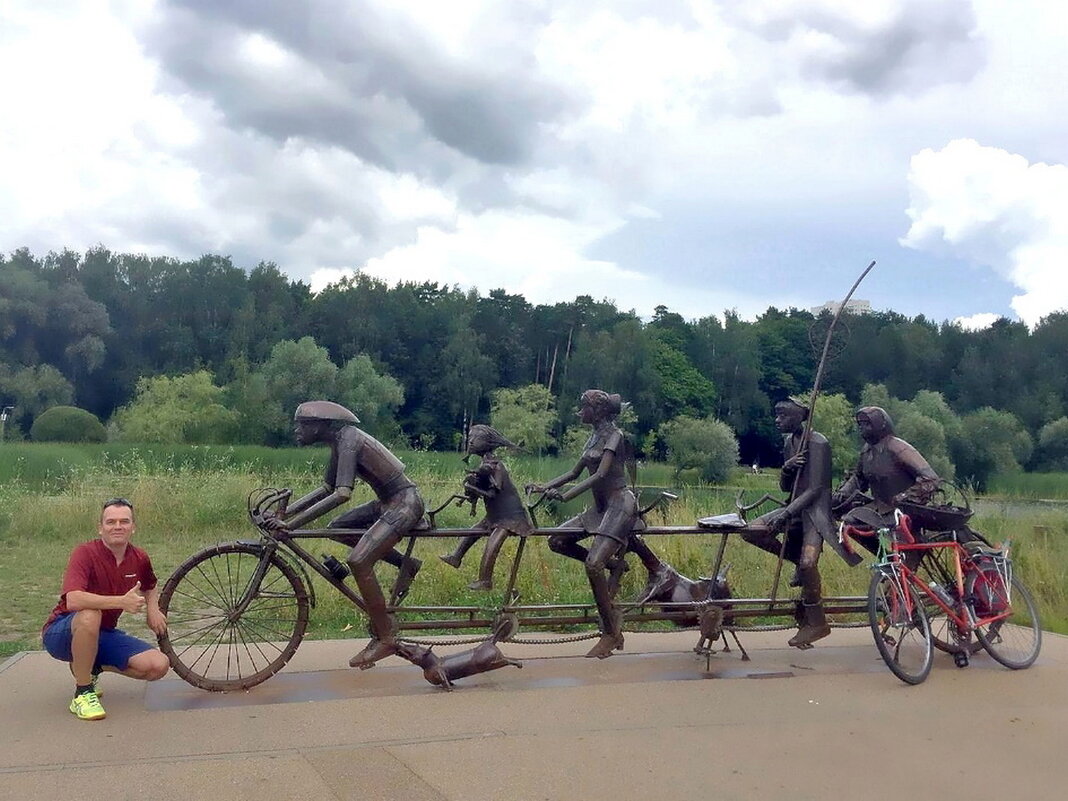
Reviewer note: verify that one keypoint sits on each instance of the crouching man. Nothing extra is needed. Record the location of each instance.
(104, 578)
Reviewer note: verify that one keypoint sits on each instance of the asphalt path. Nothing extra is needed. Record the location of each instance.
(654, 722)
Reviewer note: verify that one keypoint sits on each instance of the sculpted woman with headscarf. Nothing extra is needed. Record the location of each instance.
(611, 519)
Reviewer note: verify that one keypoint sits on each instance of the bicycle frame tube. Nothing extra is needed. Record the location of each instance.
(967, 621)
(316, 565)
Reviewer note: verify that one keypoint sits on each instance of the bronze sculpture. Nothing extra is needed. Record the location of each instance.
(442, 672)
(805, 521)
(611, 519)
(889, 468)
(505, 511)
(397, 509)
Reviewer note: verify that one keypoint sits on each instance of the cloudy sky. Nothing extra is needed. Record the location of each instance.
(704, 155)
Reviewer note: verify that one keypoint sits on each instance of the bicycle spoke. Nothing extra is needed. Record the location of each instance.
(213, 645)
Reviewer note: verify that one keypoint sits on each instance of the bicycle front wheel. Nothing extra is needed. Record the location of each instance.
(900, 627)
(209, 643)
(1013, 641)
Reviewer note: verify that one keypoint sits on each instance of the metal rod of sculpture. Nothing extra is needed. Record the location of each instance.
(817, 383)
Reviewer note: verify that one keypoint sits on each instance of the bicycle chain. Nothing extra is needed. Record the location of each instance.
(592, 635)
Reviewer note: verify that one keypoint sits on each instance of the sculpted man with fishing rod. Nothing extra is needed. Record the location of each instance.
(806, 518)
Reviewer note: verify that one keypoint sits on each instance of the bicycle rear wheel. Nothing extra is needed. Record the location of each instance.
(208, 643)
(1013, 641)
(900, 628)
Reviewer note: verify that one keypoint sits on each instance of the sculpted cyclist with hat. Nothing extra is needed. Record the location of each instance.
(397, 508)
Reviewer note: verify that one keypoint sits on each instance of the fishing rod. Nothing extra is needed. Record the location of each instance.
(807, 433)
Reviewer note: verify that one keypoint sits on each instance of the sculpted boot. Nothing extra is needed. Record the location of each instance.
(611, 639)
(814, 628)
(405, 575)
(660, 582)
(379, 647)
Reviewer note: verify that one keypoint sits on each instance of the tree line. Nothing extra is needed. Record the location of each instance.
(119, 334)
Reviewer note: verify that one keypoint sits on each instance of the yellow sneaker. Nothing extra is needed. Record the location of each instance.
(86, 706)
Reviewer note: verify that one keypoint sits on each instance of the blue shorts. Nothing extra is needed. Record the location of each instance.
(114, 650)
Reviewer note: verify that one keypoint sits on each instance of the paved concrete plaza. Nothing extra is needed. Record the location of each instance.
(649, 723)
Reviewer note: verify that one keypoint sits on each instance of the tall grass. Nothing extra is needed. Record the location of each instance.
(1053, 486)
(187, 498)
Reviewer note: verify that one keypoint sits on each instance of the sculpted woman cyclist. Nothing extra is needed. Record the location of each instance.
(611, 519)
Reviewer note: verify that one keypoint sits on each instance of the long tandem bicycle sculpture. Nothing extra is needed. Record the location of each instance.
(237, 611)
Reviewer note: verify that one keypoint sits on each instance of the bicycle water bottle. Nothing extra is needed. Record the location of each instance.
(336, 568)
(941, 593)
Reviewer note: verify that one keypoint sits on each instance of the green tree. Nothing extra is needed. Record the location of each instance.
(728, 354)
(928, 437)
(295, 372)
(1052, 450)
(833, 418)
(185, 408)
(373, 396)
(707, 445)
(683, 389)
(31, 390)
(525, 415)
(994, 442)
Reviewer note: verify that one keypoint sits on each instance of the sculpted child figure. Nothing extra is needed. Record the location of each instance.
(505, 511)
(396, 510)
(611, 519)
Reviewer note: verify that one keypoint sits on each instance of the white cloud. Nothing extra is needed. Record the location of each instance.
(515, 137)
(995, 209)
(977, 322)
(539, 257)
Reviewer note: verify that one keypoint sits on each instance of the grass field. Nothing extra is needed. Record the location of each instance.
(1052, 486)
(187, 498)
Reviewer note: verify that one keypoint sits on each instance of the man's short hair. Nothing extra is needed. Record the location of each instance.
(116, 502)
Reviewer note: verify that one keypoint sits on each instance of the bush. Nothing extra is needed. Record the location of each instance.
(1052, 450)
(994, 442)
(185, 408)
(67, 424)
(707, 445)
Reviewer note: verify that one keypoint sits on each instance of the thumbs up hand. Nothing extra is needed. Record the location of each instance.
(133, 600)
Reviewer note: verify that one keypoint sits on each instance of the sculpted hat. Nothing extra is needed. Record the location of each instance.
(795, 401)
(611, 403)
(324, 410)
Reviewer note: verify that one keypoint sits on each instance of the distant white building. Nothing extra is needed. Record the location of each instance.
(854, 306)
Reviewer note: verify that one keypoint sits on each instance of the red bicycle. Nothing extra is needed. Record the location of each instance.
(969, 582)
